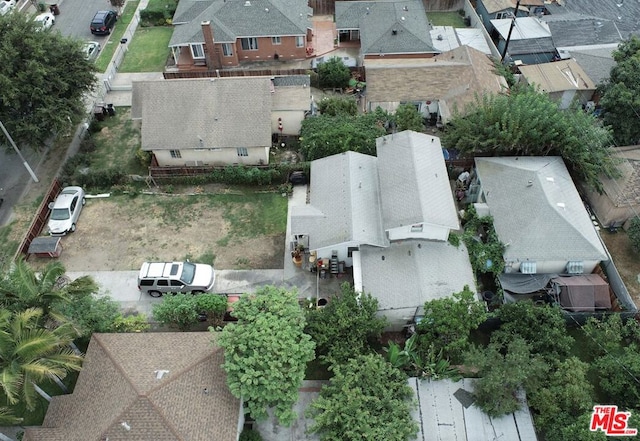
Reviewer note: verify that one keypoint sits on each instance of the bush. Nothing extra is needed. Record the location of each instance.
(634, 234)
(143, 157)
(103, 179)
(333, 73)
(250, 435)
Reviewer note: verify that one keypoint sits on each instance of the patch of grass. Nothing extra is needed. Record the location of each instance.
(8, 247)
(446, 19)
(116, 143)
(242, 263)
(148, 50)
(255, 214)
(116, 34)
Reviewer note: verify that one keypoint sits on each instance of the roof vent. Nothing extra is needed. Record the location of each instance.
(247, 3)
(405, 8)
(160, 374)
(125, 425)
(439, 37)
(266, 9)
(394, 32)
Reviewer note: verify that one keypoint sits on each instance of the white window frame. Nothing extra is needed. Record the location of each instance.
(276, 40)
(249, 44)
(175, 154)
(299, 41)
(200, 49)
(242, 151)
(227, 50)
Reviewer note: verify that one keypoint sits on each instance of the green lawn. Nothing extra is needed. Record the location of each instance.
(446, 19)
(116, 34)
(148, 51)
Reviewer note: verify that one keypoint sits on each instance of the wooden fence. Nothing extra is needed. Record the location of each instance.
(40, 219)
(221, 73)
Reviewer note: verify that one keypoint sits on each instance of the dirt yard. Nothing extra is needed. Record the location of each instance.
(119, 233)
(627, 262)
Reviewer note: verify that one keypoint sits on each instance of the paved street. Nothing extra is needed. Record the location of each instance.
(14, 177)
(75, 17)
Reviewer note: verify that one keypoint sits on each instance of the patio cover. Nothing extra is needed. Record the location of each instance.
(587, 292)
(524, 283)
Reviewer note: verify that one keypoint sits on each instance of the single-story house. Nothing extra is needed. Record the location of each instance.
(538, 215)
(218, 121)
(437, 86)
(530, 43)
(620, 198)
(389, 29)
(146, 386)
(446, 412)
(216, 34)
(564, 81)
(389, 218)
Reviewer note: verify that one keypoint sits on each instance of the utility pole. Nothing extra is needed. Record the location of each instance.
(513, 25)
(15, 147)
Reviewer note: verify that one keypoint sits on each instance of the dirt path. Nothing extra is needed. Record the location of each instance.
(627, 261)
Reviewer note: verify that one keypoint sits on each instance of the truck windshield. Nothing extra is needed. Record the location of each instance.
(188, 273)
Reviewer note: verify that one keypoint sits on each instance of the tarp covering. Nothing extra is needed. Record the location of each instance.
(518, 283)
(586, 292)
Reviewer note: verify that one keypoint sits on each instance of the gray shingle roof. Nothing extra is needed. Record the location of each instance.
(231, 19)
(292, 80)
(414, 184)
(345, 202)
(597, 62)
(579, 30)
(414, 272)
(118, 384)
(222, 112)
(544, 221)
(377, 21)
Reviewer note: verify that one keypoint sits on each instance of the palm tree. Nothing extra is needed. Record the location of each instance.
(22, 288)
(31, 354)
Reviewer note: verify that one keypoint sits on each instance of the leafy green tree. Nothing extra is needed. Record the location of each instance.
(338, 106)
(408, 118)
(575, 429)
(31, 355)
(618, 375)
(433, 366)
(22, 288)
(90, 314)
(333, 73)
(266, 352)
(448, 322)
(566, 395)
(504, 370)
(213, 305)
(179, 310)
(367, 398)
(543, 328)
(634, 234)
(527, 122)
(621, 93)
(346, 327)
(610, 334)
(43, 80)
(324, 135)
(131, 323)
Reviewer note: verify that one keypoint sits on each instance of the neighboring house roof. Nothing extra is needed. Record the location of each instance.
(204, 113)
(596, 61)
(427, 270)
(623, 13)
(537, 211)
(557, 76)
(234, 19)
(121, 393)
(291, 93)
(579, 30)
(473, 37)
(444, 38)
(493, 6)
(446, 412)
(344, 202)
(387, 27)
(411, 172)
(625, 190)
(453, 78)
(525, 28)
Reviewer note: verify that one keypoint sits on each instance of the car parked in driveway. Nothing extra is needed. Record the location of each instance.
(65, 211)
(103, 22)
(157, 278)
(91, 50)
(45, 20)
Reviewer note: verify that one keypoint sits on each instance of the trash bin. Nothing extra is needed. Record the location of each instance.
(111, 110)
(54, 9)
(99, 112)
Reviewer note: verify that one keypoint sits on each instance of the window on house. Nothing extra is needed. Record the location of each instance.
(416, 228)
(197, 51)
(175, 153)
(528, 267)
(299, 41)
(249, 44)
(227, 50)
(275, 40)
(501, 15)
(575, 267)
(242, 151)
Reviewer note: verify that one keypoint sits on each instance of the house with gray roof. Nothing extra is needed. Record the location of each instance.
(388, 218)
(530, 43)
(396, 29)
(164, 386)
(217, 34)
(218, 121)
(499, 9)
(446, 412)
(538, 215)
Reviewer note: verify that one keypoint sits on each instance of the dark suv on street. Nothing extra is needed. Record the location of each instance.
(103, 22)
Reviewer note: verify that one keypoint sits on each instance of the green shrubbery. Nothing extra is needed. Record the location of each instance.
(158, 14)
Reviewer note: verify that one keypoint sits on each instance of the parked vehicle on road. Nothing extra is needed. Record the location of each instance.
(91, 49)
(65, 211)
(103, 22)
(45, 20)
(6, 6)
(157, 278)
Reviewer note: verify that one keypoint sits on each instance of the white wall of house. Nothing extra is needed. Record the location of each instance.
(419, 231)
(291, 121)
(214, 157)
(549, 267)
